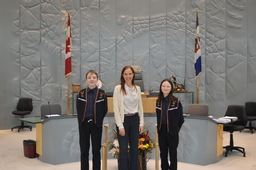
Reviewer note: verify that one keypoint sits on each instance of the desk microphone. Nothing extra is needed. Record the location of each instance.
(49, 109)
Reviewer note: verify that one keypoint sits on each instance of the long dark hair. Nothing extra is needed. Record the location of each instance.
(161, 95)
(122, 78)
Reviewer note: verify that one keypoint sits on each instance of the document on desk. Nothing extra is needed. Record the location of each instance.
(226, 119)
(233, 118)
(52, 115)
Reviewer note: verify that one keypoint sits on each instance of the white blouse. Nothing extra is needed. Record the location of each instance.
(118, 106)
(131, 100)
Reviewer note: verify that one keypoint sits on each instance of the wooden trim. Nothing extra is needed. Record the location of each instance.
(39, 139)
(219, 140)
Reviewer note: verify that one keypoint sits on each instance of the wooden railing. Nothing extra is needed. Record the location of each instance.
(156, 151)
(104, 147)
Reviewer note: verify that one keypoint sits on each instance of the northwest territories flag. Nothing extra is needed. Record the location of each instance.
(68, 63)
(198, 58)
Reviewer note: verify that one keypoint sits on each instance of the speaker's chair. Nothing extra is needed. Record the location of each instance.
(138, 77)
(24, 107)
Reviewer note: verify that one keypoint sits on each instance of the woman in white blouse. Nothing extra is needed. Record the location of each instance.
(129, 117)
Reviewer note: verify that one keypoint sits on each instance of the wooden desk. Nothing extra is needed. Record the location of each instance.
(149, 104)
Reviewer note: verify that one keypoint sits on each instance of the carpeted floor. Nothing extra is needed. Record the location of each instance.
(12, 155)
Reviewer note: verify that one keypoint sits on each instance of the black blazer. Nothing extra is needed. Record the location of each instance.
(100, 106)
(174, 116)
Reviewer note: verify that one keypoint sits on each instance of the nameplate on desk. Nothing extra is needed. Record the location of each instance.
(52, 115)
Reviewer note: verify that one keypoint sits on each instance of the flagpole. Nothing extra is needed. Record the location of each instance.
(197, 90)
(68, 96)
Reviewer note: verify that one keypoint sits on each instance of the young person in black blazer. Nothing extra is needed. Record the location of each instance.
(169, 121)
(91, 107)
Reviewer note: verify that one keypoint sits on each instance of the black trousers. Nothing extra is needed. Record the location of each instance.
(131, 126)
(87, 130)
(168, 145)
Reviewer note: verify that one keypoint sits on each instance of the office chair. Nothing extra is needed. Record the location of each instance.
(198, 110)
(138, 77)
(50, 109)
(239, 112)
(138, 81)
(24, 107)
(250, 108)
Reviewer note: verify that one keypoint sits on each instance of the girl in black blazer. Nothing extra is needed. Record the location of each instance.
(169, 121)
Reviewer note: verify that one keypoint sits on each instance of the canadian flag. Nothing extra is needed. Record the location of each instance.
(68, 63)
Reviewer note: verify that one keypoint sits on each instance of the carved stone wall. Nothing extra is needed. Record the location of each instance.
(157, 35)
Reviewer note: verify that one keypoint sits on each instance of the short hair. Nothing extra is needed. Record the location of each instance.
(92, 72)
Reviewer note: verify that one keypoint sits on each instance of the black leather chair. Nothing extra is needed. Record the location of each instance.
(138, 77)
(138, 81)
(239, 112)
(24, 107)
(250, 108)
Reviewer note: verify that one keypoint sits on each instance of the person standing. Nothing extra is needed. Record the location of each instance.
(129, 118)
(91, 107)
(169, 121)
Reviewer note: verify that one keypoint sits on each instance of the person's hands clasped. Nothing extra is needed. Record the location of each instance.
(141, 128)
(122, 132)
